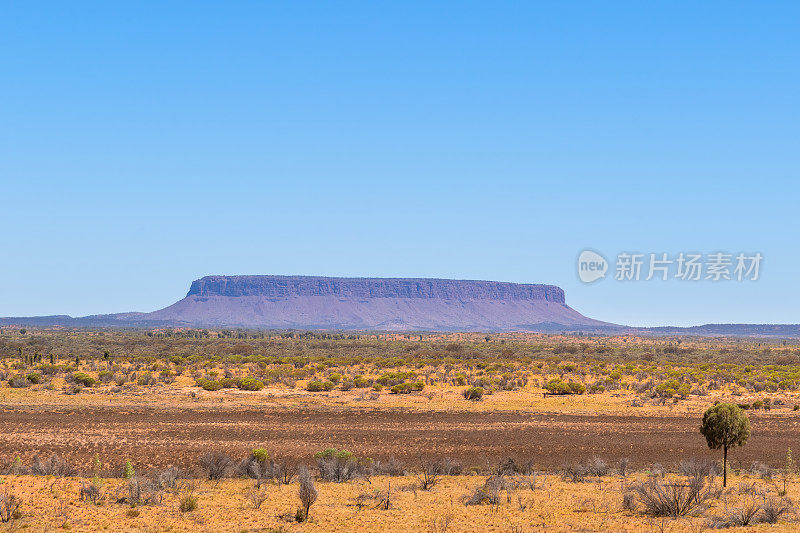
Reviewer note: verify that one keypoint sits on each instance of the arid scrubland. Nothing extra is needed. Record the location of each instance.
(214, 430)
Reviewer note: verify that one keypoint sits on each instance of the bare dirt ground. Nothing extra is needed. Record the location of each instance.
(159, 436)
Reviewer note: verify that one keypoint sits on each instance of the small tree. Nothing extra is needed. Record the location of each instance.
(725, 425)
(307, 493)
(788, 471)
(129, 471)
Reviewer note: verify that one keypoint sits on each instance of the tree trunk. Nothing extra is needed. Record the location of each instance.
(724, 466)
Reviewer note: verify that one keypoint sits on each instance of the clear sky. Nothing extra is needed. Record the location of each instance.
(146, 144)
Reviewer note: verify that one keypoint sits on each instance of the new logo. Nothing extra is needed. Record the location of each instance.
(591, 266)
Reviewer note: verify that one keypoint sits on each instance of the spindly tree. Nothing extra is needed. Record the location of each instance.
(725, 425)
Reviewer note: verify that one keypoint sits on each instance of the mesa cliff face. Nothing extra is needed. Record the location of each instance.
(399, 304)
(299, 286)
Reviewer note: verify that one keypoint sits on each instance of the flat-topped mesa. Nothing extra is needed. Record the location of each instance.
(444, 289)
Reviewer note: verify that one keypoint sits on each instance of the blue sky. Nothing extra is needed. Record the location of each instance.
(146, 144)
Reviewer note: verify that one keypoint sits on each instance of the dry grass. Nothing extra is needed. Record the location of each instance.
(50, 504)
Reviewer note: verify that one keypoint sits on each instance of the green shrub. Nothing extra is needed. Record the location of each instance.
(473, 393)
(360, 382)
(576, 388)
(377, 387)
(335, 377)
(333, 453)
(84, 379)
(401, 388)
(188, 503)
(229, 383)
(461, 380)
(34, 377)
(315, 386)
(395, 378)
(328, 385)
(128, 472)
(105, 376)
(558, 386)
(260, 454)
(18, 382)
(338, 465)
(209, 384)
(146, 379)
(673, 387)
(250, 383)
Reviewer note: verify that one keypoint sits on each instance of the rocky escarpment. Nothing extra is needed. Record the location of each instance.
(300, 286)
(399, 304)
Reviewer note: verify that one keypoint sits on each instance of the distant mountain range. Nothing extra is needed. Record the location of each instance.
(379, 304)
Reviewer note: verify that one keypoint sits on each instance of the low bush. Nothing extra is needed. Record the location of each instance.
(216, 465)
(142, 491)
(597, 388)
(360, 382)
(694, 467)
(260, 454)
(229, 383)
(393, 378)
(146, 379)
(558, 386)
(128, 472)
(251, 384)
(574, 473)
(338, 465)
(676, 498)
(402, 388)
(53, 466)
(209, 384)
(596, 466)
(18, 382)
(91, 492)
(84, 379)
(671, 388)
(773, 509)
(473, 393)
(318, 386)
(9, 507)
(307, 494)
(188, 503)
(488, 493)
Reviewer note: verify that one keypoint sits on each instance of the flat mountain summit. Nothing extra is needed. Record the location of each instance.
(381, 304)
(394, 304)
